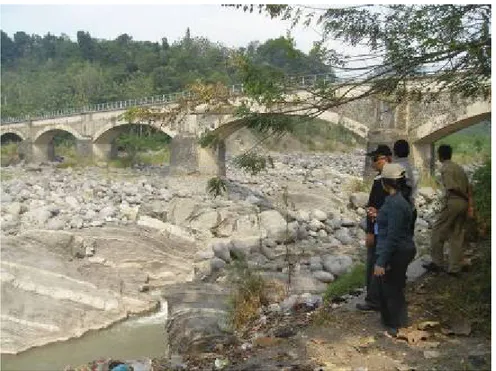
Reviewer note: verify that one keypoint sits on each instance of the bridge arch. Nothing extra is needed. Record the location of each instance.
(46, 135)
(230, 124)
(15, 134)
(444, 125)
(424, 137)
(108, 133)
(104, 146)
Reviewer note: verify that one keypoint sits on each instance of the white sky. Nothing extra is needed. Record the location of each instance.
(150, 22)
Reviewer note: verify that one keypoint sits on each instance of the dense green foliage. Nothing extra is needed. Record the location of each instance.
(482, 194)
(48, 73)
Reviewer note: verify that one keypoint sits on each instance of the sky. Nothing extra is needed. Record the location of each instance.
(151, 22)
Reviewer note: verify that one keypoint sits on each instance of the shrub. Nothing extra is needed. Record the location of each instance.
(346, 283)
(216, 186)
(249, 296)
(482, 195)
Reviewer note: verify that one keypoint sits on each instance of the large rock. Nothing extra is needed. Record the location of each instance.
(38, 217)
(181, 209)
(197, 318)
(222, 249)
(319, 215)
(206, 220)
(156, 209)
(428, 193)
(337, 264)
(57, 297)
(315, 225)
(359, 199)
(315, 263)
(302, 216)
(276, 227)
(244, 246)
(343, 235)
(323, 276)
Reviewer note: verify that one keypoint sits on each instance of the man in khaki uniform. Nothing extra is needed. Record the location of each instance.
(451, 221)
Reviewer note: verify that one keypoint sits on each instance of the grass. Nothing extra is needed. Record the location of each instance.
(360, 185)
(247, 300)
(346, 283)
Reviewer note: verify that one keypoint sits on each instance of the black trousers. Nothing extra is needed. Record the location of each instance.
(391, 288)
(372, 297)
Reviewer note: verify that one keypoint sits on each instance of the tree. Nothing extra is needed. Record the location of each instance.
(8, 52)
(86, 45)
(454, 41)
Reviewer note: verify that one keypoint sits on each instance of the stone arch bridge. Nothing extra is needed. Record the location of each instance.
(95, 131)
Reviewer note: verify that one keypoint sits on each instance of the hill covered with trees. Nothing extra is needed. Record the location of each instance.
(47, 73)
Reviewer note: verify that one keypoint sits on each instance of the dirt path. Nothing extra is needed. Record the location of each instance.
(341, 338)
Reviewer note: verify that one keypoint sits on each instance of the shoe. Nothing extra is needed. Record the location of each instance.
(432, 267)
(365, 307)
(391, 332)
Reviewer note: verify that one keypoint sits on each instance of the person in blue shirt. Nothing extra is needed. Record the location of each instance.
(394, 251)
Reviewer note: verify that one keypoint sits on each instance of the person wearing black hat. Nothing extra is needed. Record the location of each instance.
(380, 156)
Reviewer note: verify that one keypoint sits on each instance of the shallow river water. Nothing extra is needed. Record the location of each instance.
(135, 338)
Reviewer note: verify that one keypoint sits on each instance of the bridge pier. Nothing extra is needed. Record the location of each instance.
(84, 148)
(25, 150)
(102, 151)
(424, 156)
(188, 157)
(43, 152)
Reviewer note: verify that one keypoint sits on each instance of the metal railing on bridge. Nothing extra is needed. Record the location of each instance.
(304, 81)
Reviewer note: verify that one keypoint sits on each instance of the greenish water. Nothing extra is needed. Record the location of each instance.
(135, 338)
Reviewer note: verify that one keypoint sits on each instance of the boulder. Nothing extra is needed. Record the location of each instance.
(180, 210)
(343, 235)
(222, 249)
(315, 225)
(359, 199)
(315, 263)
(156, 209)
(337, 264)
(197, 315)
(206, 220)
(302, 216)
(276, 227)
(217, 264)
(323, 276)
(244, 246)
(319, 215)
(428, 193)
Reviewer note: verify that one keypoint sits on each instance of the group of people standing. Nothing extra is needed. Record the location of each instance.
(391, 217)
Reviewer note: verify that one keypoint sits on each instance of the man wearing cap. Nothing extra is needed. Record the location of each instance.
(380, 156)
(450, 224)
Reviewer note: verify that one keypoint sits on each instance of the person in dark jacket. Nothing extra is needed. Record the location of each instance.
(395, 250)
(401, 150)
(380, 156)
